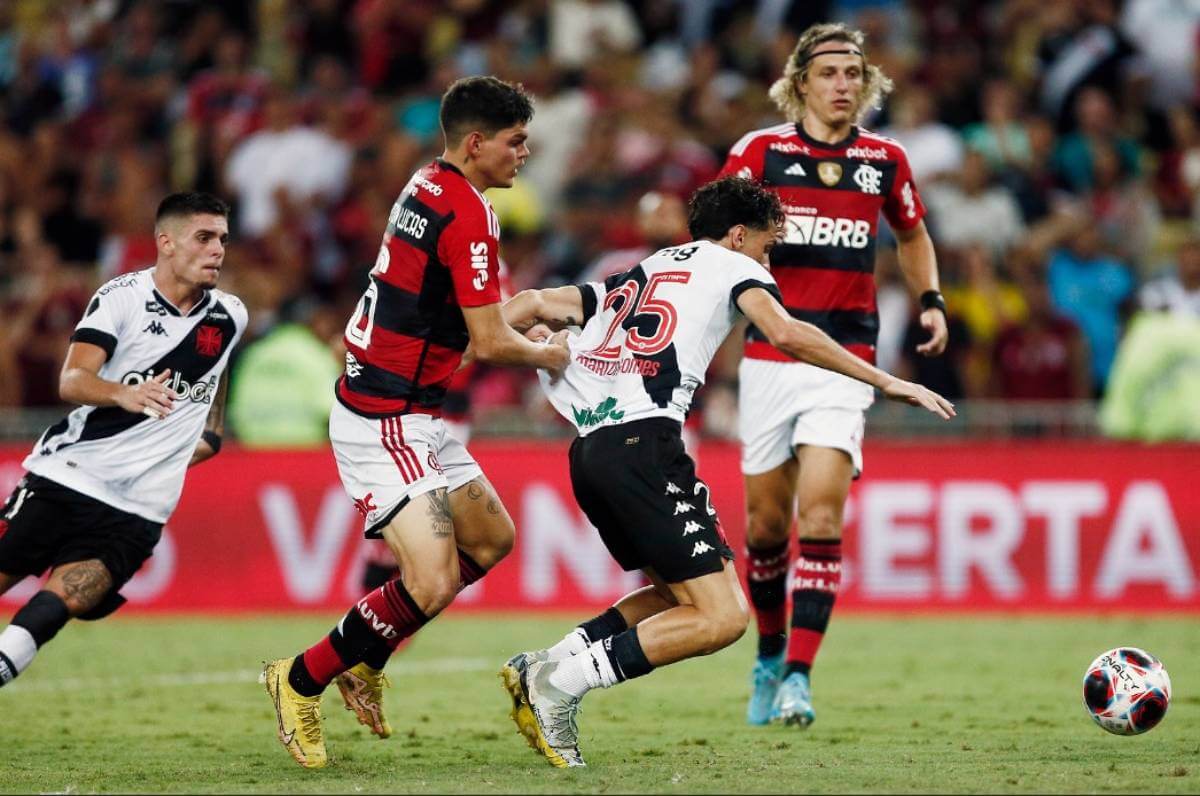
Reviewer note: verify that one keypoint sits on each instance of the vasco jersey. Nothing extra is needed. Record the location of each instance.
(406, 338)
(832, 195)
(649, 334)
(131, 461)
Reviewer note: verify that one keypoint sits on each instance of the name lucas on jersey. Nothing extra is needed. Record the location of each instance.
(201, 392)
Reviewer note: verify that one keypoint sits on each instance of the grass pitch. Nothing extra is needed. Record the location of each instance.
(904, 704)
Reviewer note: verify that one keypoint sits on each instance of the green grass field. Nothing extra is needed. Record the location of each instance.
(904, 704)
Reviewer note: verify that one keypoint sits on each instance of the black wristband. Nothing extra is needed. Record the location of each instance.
(931, 300)
(213, 439)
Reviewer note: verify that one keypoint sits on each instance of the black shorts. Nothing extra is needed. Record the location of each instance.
(44, 525)
(637, 485)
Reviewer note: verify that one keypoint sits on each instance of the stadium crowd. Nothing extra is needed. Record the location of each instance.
(1057, 146)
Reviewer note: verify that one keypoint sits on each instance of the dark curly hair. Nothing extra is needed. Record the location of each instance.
(721, 204)
(486, 104)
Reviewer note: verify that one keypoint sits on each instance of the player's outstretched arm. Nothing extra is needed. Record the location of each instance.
(557, 307)
(497, 343)
(214, 427)
(809, 344)
(80, 383)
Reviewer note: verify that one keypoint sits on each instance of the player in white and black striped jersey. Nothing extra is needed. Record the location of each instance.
(145, 365)
(647, 338)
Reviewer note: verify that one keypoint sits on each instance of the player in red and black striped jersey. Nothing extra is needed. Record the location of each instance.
(801, 427)
(434, 290)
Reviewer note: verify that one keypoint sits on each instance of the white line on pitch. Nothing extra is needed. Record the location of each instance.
(239, 676)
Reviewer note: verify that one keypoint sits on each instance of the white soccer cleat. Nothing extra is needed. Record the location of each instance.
(545, 715)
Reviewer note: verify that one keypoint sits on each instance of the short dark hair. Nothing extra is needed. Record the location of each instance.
(179, 205)
(721, 204)
(483, 103)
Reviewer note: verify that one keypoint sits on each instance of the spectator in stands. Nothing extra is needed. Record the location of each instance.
(1096, 126)
(1001, 137)
(1092, 288)
(1044, 357)
(969, 209)
(934, 149)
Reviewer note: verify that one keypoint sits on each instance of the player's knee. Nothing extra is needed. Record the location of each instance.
(433, 591)
(766, 525)
(724, 626)
(820, 522)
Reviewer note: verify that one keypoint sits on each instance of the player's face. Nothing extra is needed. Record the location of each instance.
(833, 86)
(757, 243)
(498, 158)
(198, 249)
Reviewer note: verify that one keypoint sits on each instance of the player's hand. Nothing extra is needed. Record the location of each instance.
(152, 397)
(559, 353)
(915, 394)
(934, 321)
(539, 333)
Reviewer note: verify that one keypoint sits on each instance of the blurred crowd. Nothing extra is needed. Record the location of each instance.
(1057, 146)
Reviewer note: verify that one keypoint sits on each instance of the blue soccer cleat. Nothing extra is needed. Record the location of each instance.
(764, 684)
(793, 703)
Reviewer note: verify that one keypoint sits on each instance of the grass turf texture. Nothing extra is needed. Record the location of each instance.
(904, 704)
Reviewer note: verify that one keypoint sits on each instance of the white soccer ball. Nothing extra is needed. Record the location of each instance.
(1126, 691)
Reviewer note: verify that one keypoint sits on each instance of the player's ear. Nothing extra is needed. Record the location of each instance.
(474, 143)
(737, 237)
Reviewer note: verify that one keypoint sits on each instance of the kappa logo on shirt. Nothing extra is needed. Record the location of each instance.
(155, 328)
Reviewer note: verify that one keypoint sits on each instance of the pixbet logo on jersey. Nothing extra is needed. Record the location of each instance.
(201, 392)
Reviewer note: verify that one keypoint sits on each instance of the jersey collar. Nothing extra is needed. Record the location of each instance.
(173, 310)
(845, 142)
(448, 166)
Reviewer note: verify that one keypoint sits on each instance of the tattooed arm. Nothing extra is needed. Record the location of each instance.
(214, 427)
(557, 307)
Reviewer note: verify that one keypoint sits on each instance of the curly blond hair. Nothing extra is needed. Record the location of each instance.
(876, 85)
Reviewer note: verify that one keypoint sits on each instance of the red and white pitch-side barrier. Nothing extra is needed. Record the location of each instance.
(956, 525)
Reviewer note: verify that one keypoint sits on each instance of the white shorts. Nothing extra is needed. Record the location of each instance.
(785, 404)
(386, 462)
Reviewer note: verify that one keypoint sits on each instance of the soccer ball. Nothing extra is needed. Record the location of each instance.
(1126, 691)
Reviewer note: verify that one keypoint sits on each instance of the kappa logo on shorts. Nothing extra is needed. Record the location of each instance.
(701, 547)
(691, 527)
(682, 506)
(672, 489)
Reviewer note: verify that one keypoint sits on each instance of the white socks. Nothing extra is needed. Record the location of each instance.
(573, 643)
(589, 669)
(17, 649)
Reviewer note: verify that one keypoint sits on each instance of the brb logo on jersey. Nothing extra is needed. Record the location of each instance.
(201, 392)
(825, 231)
(479, 261)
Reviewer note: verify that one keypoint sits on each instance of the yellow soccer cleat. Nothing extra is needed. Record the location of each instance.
(545, 715)
(299, 716)
(522, 716)
(362, 689)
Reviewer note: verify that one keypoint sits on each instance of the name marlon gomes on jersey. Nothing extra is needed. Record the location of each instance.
(201, 392)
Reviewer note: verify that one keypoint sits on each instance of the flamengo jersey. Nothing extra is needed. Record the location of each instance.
(832, 195)
(650, 333)
(130, 461)
(406, 338)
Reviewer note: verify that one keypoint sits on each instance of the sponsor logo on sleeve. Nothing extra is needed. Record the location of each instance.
(479, 261)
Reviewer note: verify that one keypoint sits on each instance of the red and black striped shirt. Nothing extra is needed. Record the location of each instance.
(832, 195)
(407, 335)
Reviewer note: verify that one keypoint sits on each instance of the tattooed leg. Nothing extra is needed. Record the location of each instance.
(421, 536)
(482, 527)
(80, 584)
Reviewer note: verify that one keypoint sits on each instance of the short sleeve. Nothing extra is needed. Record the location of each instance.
(745, 274)
(744, 159)
(470, 248)
(104, 319)
(903, 207)
(591, 293)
